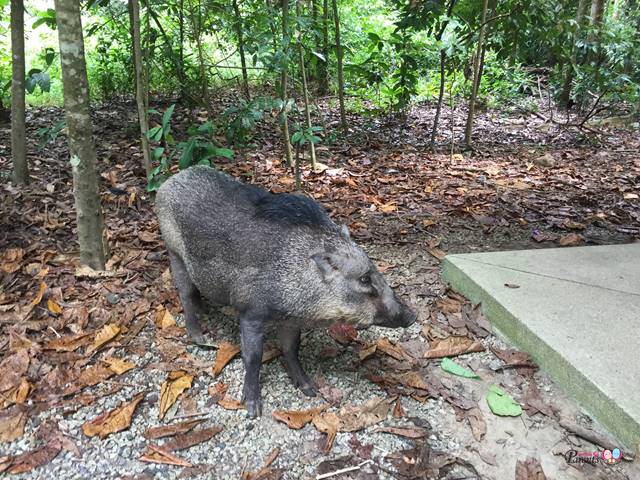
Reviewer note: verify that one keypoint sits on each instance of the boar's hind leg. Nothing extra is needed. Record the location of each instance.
(190, 298)
(251, 341)
(290, 344)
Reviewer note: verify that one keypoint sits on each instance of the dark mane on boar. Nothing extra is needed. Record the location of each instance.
(292, 210)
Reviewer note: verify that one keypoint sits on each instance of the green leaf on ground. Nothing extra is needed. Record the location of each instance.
(450, 366)
(501, 403)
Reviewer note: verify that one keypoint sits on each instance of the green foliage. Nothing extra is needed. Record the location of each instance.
(48, 135)
(450, 366)
(608, 64)
(391, 53)
(46, 17)
(198, 149)
(37, 77)
(303, 135)
(240, 120)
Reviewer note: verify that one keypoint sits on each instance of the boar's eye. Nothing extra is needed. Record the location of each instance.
(365, 279)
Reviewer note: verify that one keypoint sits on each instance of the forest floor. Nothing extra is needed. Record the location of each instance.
(90, 361)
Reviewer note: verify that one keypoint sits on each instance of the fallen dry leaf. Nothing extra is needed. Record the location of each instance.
(395, 351)
(514, 358)
(530, 469)
(343, 333)
(265, 473)
(32, 459)
(16, 395)
(476, 422)
(164, 319)
(161, 431)
(92, 375)
(297, 419)
(68, 343)
(356, 417)
(398, 411)
(437, 253)
(12, 368)
(329, 424)
(114, 421)
(119, 365)
(218, 391)
(12, 424)
(53, 307)
(186, 440)
(229, 403)
(38, 298)
(331, 394)
(413, 380)
(570, 240)
(176, 383)
(11, 260)
(453, 346)
(367, 350)
(226, 352)
(105, 335)
(155, 454)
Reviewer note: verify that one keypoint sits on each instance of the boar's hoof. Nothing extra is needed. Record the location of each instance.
(252, 402)
(254, 408)
(309, 389)
(197, 337)
(305, 384)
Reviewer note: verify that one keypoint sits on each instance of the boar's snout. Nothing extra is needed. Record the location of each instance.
(407, 317)
(401, 316)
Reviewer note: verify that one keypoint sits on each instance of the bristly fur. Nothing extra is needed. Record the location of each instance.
(292, 210)
(275, 259)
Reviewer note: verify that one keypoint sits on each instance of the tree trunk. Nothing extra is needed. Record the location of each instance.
(436, 119)
(476, 74)
(283, 84)
(176, 62)
(91, 234)
(339, 55)
(146, 56)
(597, 16)
(305, 91)
(443, 59)
(140, 85)
(18, 146)
(323, 71)
(274, 40)
(196, 25)
(239, 26)
(313, 71)
(181, 47)
(565, 96)
(597, 11)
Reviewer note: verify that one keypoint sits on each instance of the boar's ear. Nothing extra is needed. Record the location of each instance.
(344, 232)
(327, 263)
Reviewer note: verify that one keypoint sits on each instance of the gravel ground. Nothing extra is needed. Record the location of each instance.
(244, 444)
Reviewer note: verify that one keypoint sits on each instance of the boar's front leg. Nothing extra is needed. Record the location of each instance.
(251, 341)
(290, 343)
(190, 298)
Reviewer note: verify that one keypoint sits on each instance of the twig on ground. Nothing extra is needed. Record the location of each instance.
(191, 415)
(343, 470)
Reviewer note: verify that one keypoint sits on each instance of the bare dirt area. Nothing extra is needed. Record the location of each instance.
(91, 363)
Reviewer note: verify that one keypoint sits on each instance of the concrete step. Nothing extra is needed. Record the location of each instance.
(576, 311)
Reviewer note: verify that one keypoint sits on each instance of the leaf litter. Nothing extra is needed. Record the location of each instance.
(81, 327)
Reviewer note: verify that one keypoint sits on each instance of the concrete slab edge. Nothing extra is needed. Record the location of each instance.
(620, 424)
